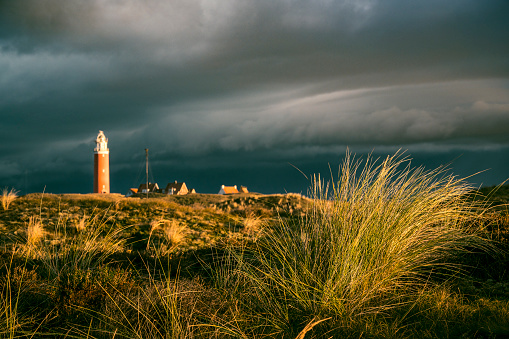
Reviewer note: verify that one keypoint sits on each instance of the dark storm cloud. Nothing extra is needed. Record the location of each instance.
(240, 39)
(341, 118)
(203, 81)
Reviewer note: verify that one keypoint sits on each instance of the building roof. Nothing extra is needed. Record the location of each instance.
(151, 186)
(177, 186)
(243, 189)
(229, 189)
(131, 192)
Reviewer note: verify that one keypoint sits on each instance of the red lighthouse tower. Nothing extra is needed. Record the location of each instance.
(101, 165)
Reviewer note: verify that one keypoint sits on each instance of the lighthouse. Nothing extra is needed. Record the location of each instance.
(101, 164)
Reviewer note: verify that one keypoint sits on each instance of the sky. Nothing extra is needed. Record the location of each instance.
(249, 92)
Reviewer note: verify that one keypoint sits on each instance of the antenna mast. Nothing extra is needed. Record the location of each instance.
(146, 167)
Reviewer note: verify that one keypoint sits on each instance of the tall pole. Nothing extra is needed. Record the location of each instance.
(146, 167)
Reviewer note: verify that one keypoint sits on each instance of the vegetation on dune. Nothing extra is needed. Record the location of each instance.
(386, 250)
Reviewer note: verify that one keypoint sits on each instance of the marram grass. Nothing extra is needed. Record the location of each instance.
(370, 240)
(8, 197)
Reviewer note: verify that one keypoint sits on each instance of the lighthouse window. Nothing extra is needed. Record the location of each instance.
(104, 186)
(103, 170)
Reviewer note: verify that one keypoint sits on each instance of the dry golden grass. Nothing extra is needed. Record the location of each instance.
(35, 231)
(154, 225)
(174, 232)
(81, 223)
(8, 197)
(253, 226)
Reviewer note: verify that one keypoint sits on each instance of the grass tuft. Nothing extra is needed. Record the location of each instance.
(81, 224)
(253, 226)
(35, 231)
(8, 197)
(369, 241)
(173, 231)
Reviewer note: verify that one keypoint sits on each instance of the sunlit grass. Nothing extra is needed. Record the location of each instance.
(173, 232)
(367, 244)
(81, 225)
(66, 248)
(8, 196)
(253, 226)
(35, 231)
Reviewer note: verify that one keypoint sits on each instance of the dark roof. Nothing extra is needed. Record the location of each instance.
(177, 187)
(151, 186)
